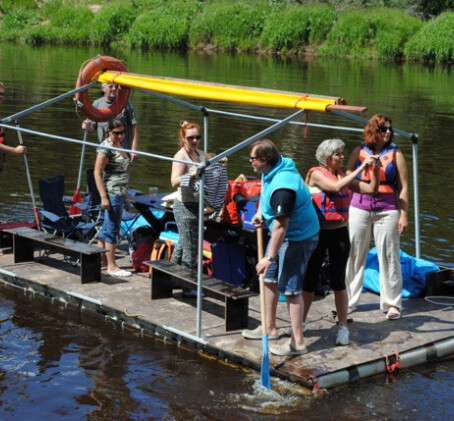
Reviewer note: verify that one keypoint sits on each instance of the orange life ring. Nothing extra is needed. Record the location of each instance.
(87, 74)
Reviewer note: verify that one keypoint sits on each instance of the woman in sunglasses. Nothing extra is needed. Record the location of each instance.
(112, 179)
(383, 214)
(186, 207)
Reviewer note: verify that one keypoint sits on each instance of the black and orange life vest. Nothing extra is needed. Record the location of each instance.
(330, 206)
(388, 170)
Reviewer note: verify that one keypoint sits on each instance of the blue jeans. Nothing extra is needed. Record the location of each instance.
(289, 268)
(112, 220)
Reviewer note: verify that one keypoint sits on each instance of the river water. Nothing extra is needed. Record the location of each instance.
(57, 365)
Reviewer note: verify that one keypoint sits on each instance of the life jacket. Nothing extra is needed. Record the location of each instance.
(330, 206)
(238, 192)
(388, 170)
(2, 140)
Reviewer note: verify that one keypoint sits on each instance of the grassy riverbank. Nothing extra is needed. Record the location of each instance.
(331, 28)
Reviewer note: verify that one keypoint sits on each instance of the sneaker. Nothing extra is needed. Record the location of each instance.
(257, 334)
(289, 332)
(286, 349)
(343, 334)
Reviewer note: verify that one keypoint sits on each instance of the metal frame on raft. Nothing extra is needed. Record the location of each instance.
(109, 77)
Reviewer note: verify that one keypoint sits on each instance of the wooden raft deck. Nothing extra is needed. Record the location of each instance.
(425, 333)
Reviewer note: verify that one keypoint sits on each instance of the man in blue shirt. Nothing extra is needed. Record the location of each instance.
(286, 207)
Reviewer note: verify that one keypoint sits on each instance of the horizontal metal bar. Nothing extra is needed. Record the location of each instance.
(185, 335)
(297, 123)
(257, 136)
(97, 145)
(20, 114)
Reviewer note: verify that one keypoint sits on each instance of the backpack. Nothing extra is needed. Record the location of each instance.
(161, 249)
(141, 247)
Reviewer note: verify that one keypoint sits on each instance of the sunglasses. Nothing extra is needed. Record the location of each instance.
(384, 129)
(196, 137)
(120, 133)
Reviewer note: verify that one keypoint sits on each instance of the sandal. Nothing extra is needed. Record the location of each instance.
(120, 273)
(393, 313)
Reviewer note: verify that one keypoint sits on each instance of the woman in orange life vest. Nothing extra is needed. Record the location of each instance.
(4, 149)
(330, 190)
(384, 214)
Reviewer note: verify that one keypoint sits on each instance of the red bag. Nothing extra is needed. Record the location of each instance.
(142, 254)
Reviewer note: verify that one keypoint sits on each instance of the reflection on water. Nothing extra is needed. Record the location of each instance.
(58, 364)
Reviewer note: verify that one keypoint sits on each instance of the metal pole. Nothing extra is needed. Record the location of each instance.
(17, 116)
(205, 130)
(29, 179)
(200, 255)
(97, 145)
(416, 194)
(82, 157)
(297, 123)
(257, 136)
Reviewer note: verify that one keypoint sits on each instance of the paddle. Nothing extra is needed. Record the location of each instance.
(77, 198)
(265, 371)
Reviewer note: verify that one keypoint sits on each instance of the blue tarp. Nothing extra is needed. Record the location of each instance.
(413, 272)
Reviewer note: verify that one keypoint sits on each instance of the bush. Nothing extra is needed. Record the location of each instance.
(230, 25)
(297, 26)
(15, 24)
(435, 41)
(376, 33)
(112, 22)
(164, 27)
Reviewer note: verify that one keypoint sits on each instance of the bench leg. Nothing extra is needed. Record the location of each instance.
(90, 268)
(236, 313)
(23, 249)
(161, 285)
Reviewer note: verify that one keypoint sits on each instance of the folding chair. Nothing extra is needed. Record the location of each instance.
(56, 219)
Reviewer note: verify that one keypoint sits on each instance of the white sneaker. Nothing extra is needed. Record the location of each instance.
(289, 332)
(343, 335)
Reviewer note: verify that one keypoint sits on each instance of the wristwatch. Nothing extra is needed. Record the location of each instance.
(268, 257)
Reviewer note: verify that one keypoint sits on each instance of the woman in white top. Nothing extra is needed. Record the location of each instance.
(186, 207)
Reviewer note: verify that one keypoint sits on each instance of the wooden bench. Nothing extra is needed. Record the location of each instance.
(6, 239)
(26, 240)
(165, 275)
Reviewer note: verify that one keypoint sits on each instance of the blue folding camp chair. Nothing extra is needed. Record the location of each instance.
(56, 219)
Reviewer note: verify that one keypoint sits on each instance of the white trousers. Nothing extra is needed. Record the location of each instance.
(384, 226)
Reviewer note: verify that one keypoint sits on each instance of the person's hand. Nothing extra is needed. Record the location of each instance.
(371, 161)
(193, 171)
(403, 223)
(224, 160)
(134, 157)
(105, 204)
(20, 150)
(262, 266)
(257, 220)
(86, 125)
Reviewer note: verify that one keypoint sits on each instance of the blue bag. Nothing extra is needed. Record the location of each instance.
(413, 273)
